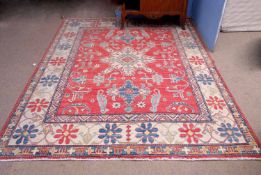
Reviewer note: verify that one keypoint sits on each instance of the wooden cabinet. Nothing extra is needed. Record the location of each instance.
(155, 9)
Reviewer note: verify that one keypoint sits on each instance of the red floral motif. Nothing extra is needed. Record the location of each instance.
(216, 103)
(57, 61)
(38, 105)
(66, 133)
(189, 131)
(184, 33)
(196, 60)
(69, 34)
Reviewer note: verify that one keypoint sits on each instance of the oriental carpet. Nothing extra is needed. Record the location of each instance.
(139, 93)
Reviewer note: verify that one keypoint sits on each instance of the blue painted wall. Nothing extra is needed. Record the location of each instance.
(206, 15)
(189, 10)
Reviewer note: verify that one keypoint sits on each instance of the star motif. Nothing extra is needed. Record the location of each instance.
(128, 92)
(128, 61)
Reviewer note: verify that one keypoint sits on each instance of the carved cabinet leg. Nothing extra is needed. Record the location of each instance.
(122, 22)
(123, 16)
(183, 22)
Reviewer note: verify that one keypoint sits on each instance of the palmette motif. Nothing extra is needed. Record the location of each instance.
(143, 92)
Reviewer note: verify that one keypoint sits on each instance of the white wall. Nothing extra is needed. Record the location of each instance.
(242, 15)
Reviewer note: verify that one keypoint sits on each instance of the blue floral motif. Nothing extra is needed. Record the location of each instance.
(146, 133)
(64, 46)
(74, 23)
(128, 91)
(205, 79)
(23, 135)
(191, 45)
(110, 133)
(49, 80)
(230, 132)
(127, 38)
(80, 80)
(175, 78)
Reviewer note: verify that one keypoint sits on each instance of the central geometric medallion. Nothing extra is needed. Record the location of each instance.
(113, 80)
(128, 61)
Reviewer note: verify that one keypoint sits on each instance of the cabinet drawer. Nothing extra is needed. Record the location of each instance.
(161, 5)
